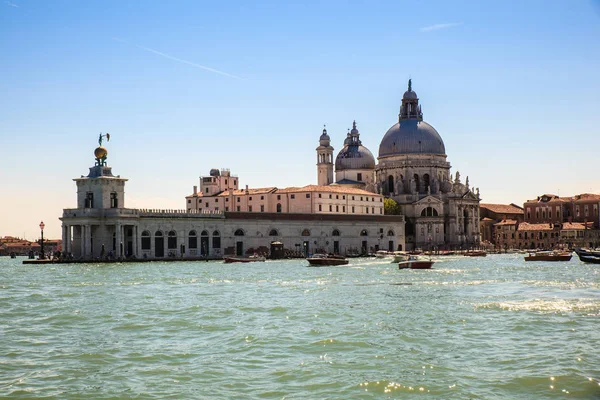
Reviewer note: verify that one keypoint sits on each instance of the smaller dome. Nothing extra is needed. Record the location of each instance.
(100, 152)
(324, 136)
(214, 172)
(410, 95)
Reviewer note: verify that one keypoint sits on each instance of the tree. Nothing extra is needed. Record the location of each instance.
(391, 207)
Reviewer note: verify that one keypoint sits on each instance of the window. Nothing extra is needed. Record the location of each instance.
(352, 197)
(172, 240)
(262, 208)
(337, 197)
(344, 197)
(278, 197)
(372, 210)
(115, 204)
(238, 199)
(226, 181)
(89, 200)
(308, 195)
(320, 208)
(189, 201)
(273, 232)
(292, 196)
(238, 232)
(352, 209)
(227, 199)
(234, 182)
(364, 233)
(249, 208)
(335, 233)
(359, 177)
(319, 195)
(206, 204)
(305, 232)
(373, 199)
(145, 240)
(330, 208)
(337, 208)
(216, 242)
(207, 190)
(262, 197)
(192, 240)
(343, 209)
(238, 208)
(226, 208)
(278, 207)
(330, 196)
(366, 210)
(361, 199)
(250, 198)
(217, 200)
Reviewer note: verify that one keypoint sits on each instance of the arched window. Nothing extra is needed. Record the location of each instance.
(417, 183)
(205, 233)
(216, 240)
(158, 233)
(192, 240)
(273, 232)
(335, 233)
(278, 207)
(172, 240)
(391, 233)
(364, 233)
(306, 232)
(145, 240)
(391, 184)
(239, 232)
(429, 212)
(425, 182)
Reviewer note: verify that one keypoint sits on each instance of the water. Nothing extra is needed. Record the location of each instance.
(471, 328)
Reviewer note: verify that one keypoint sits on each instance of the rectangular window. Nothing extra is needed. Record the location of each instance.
(372, 210)
(308, 195)
(330, 196)
(113, 201)
(250, 198)
(226, 208)
(238, 208)
(359, 177)
(262, 197)
(238, 199)
(366, 210)
(319, 195)
(352, 197)
(189, 201)
(206, 204)
(343, 209)
(216, 242)
(227, 199)
(249, 208)
(293, 196)
(234, 182)
(337, 208)
(216, 200)
(361, 199)
(344, 197)
(381, 211)
(330, 208)
(226, 181)
(89, 200)
(262, 208)
(352, 209)
(320, 208)
(145, 242)
(278, 197)
(337, 197)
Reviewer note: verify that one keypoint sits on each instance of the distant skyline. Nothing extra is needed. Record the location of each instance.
(183, 87)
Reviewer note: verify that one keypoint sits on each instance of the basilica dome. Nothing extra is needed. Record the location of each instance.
(411, 135)
(354, 155)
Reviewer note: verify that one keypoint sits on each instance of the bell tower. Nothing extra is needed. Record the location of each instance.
(324, 160)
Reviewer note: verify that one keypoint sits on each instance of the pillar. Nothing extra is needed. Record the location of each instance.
(119, 239)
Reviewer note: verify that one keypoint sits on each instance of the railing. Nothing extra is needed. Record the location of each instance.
(143, 212)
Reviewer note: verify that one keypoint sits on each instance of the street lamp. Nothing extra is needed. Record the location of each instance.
(42, 257)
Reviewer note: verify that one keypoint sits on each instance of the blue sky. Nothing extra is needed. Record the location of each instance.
(186, 86)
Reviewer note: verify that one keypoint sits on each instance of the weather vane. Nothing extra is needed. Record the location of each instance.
(107, 136)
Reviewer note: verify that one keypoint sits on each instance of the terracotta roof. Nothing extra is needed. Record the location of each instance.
(241, 192)
(327, 189)
(502, 208)
(576, 226)
(586, 197)
(486, 219)
(506, 222)
(525, 226)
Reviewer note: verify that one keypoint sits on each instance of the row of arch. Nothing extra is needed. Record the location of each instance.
(272, 232)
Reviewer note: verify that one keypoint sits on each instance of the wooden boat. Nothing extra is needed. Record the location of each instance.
(382, 254)
(476, 253)
(589, 258)
(415, 262)
(320, 260)
(549, 256)
(241, 259)
(586, 252)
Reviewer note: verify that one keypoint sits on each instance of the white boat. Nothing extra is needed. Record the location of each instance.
(400, 256)
(383, 254)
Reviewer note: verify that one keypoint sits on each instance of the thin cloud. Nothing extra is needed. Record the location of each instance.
(10, 3)
(437, 27)
(216, 71)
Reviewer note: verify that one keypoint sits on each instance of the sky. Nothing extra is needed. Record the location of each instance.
(512, 87)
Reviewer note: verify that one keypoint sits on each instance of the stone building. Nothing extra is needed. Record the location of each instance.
(554, 209)
(492, 215)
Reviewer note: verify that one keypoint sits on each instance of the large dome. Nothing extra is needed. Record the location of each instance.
(411, 136)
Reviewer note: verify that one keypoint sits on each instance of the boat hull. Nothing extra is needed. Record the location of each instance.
(589, 259)
(560, 257)
(230, 260)
(420, 264)
(324, 262)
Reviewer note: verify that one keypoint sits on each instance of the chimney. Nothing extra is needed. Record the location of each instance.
(195, 190)
(246, 189)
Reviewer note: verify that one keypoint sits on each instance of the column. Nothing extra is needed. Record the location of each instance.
(64, 237)
(82, 241)
(119, 239)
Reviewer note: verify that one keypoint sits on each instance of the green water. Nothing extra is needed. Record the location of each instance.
(471, 328)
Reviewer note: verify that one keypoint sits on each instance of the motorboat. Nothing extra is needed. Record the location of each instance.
(382, 254)
(242, 259)
(586, 252)
(476, 253)
(320, 260)
(591, 259)
(415, 262)
(400, 256)
(549, 256)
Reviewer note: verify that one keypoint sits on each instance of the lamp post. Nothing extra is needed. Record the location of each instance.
(42, 257)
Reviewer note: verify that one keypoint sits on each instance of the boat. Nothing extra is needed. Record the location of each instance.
(241, 259)
(415, 262)
(549, 256)
(586, 252)
(382, 254)
(400, 256)
(319, 260)
(591, 259)
(476, 253)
